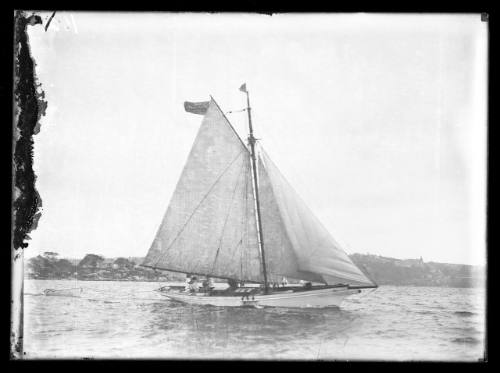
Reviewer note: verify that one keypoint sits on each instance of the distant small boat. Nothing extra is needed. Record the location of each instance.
(73, 292)
(234, 216)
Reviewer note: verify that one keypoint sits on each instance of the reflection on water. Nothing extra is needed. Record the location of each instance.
(128, 320)
(261, 331)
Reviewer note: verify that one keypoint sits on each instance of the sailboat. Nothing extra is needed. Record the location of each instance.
(234, 216)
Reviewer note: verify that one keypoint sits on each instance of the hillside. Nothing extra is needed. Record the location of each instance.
(416, 272)
(383, 270)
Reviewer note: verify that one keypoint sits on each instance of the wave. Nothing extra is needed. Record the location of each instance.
(464, 313)
(467, 340)
(426, 312)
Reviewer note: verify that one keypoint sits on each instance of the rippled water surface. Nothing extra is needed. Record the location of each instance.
(129, 320)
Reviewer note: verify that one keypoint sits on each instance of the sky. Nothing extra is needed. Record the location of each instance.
(378, 121)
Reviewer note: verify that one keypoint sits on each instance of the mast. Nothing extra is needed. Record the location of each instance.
(251, 141)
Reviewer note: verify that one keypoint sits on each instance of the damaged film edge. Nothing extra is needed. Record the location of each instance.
(29, 106)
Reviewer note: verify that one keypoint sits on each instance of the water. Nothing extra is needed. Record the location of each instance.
(129, 320)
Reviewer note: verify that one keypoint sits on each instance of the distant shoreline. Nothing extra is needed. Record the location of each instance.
(92, 280)
(382, 270)
(478, 286)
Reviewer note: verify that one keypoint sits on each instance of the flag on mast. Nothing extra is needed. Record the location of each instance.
(196, 107)
(243, 88)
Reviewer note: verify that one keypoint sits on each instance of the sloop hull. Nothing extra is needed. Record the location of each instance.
(302, 299)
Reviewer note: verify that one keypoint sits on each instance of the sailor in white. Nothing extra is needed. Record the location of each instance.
(188, 281)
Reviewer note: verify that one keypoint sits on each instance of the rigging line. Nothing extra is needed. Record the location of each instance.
(240, 242)
(162, 254)
(235, 111)
(227, 216)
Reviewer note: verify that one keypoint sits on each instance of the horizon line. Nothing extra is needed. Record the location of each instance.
(358, 253)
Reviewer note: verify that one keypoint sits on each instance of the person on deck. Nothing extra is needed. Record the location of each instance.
(187, 283)
(233, 284)
(208, 284)
(284, 281)
(211, 285)
(194, 285)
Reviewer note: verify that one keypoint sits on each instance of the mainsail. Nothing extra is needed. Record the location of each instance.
(210, 224)
(209, 227)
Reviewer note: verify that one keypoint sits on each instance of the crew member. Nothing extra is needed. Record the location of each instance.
(194, 286)
(208, 284)
(187, 283)
(284, 281)
(233, 284)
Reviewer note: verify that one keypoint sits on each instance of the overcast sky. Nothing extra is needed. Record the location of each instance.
(378, 121)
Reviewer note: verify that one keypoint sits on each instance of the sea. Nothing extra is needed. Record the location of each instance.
(129, 320)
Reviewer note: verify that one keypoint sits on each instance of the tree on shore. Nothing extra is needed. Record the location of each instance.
(123, 263)
(91, 261)
(50, 255)
(48, 265)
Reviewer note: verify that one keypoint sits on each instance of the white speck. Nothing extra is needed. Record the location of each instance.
(74, 23)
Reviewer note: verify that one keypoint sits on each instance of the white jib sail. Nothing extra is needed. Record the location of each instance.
(316, 251)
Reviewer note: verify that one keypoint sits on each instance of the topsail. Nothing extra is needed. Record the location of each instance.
(210, 225)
